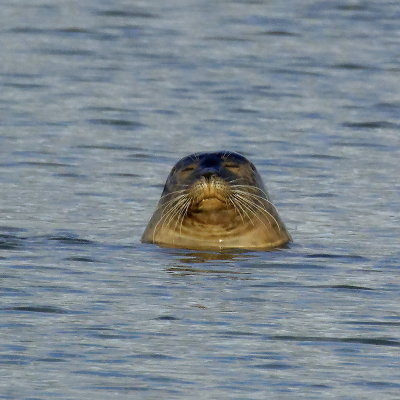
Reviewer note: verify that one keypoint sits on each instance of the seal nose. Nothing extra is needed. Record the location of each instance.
(209, 173)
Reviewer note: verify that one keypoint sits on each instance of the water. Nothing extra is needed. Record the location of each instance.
(98, 101)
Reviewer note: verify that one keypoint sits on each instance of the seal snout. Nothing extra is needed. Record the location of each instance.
(209, 173)
(209, 192)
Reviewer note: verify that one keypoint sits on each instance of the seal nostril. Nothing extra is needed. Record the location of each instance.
(209, 175)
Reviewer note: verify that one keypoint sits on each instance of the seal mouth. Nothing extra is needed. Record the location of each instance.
(209, 194)
(209, 203)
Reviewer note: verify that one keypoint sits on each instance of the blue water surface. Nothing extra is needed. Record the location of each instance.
(99, 100)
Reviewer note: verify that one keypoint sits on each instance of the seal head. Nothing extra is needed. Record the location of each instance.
(214, 201)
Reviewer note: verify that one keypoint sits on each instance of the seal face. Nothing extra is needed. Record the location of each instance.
(214, 201)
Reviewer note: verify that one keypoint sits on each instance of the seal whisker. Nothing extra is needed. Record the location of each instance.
(262, 209)
(179, 212)
(229, 200)
(237, 203)
(174, 211)
(227, 154)
(235, 180)
(166, 219)
(167, 211)
(253, 212)
(248, 207)
(195, 157)
(164, 213)
(256, 196)
(251, 188)
(265, 196)
(175, 192)
(253, 202)
(168, 203)
(185, 209)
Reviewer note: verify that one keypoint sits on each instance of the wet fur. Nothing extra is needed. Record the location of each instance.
(214, 201)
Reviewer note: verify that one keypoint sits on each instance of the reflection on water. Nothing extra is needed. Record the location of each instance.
(99, 101)
(195, 257)
(225, 261)
(186, 270)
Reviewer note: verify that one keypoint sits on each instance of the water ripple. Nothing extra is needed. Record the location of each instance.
(38, 309)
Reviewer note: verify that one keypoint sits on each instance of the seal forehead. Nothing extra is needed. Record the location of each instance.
(211, 158)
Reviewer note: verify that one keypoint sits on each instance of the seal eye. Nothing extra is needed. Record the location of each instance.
(188, 169)
(231, 166)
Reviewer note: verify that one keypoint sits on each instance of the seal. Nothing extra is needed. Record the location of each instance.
(215, 201)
